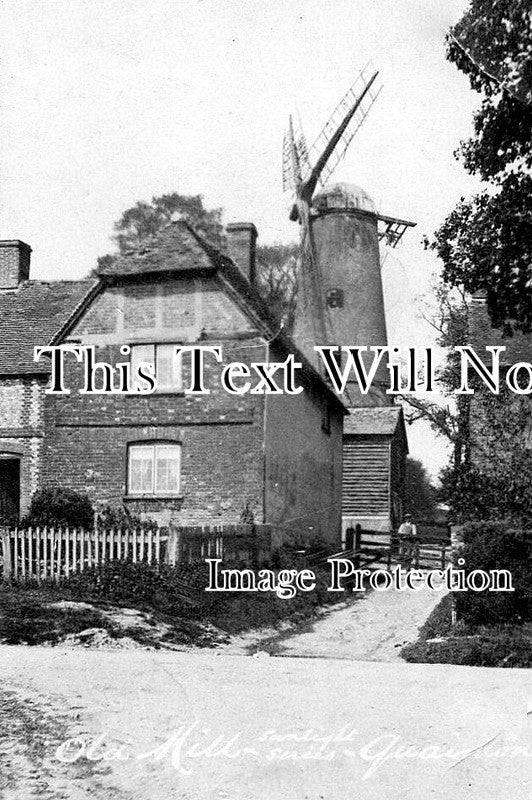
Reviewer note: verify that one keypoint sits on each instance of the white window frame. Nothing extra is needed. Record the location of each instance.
(152, 450)
(151, 358)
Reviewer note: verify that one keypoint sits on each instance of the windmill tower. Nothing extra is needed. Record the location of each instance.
(340, 300)
(340, 296)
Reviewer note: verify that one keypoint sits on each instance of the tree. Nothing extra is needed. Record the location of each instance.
(276, 264)
(420, 494)
(277, 279)
(449, 418)
(145, 219)
(484, 242)
(496, 482)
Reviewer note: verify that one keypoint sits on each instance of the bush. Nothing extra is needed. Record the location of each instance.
(127, 583)
(121, 517)
(496, 545)
(57, 506)
(492, 628)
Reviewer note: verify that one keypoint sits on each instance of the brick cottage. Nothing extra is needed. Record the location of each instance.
(168, 455)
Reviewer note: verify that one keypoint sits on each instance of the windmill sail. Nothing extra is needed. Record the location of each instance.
(296, 164)
(331, 145)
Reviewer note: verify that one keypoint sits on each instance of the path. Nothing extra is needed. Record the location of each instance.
(373, 628)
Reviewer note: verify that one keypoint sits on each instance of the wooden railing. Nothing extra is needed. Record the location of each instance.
(378, 549)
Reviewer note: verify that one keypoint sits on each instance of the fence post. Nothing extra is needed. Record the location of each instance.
(357, 544)
(173, 546)
(349, 538)
(6, 552)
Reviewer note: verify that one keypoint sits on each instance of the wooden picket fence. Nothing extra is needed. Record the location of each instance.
(54, 553)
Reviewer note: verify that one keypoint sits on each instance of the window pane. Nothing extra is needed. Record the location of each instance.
(141, 469)
(167, 469)
(168, 368)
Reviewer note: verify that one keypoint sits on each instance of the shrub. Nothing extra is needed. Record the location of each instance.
(121, 517)
(125, 582)
(496, 545)
(55, 505)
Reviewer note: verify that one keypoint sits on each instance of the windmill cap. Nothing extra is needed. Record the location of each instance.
(344, 195)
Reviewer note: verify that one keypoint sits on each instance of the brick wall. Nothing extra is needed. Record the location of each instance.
(220, 435)
(282, 468)
(303, 469)
(14, 263)
(22, 430)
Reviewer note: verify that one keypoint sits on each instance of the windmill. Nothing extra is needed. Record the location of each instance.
(341, 295)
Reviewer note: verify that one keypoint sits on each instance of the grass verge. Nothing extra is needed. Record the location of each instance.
(503, 645)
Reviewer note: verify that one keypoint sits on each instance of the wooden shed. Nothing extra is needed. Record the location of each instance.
(374, 454)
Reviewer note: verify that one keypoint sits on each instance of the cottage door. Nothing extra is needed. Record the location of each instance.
(9, 491)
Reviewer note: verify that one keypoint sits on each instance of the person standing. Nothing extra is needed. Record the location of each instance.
(407, 528)
(408, 541)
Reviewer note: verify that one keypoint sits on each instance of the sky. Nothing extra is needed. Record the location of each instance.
(108, 102)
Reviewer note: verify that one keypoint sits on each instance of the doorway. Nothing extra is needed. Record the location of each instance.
(9, 491)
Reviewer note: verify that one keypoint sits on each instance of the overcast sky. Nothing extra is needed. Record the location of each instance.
(112, 101)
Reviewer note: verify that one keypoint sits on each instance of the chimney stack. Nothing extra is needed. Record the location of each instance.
(241, 246)
(14, 263)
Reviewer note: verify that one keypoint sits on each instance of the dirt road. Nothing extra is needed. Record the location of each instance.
(374, 628)
(202, 726)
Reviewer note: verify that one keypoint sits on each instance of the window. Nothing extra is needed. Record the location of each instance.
(153, 469)
(162, 361)
(335, 298)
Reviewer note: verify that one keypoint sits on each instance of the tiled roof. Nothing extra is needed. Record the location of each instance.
(30, 316)
(518, 346)
(382, 420)
(174, 248)
(48, 310)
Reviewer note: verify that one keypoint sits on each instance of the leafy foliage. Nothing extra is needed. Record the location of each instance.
(55, 505)
(493, 629)
(449, 418)
(276, 279)
(121, 517)
(490, 546)
(484, 245)
(145, 219)
(484, 242)
(420, 494)
(497, 481)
